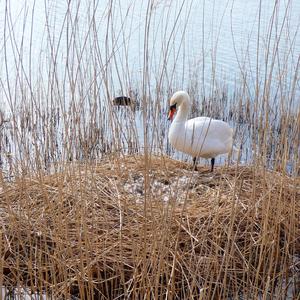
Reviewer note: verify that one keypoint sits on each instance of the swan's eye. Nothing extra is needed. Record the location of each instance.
(173, 106)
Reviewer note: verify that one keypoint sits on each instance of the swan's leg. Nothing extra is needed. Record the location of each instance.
(212, 164)
(194, 163)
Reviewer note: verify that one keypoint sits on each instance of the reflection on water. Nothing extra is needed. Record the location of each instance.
(51, 139)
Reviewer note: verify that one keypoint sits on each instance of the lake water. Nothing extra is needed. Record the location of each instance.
(55, 51)
(200, 40)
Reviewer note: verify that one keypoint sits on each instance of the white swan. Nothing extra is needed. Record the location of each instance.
(199, 137)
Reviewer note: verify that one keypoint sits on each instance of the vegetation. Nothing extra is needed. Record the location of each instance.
(95, 205)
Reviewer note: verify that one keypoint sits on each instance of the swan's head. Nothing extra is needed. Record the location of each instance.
(176, 100)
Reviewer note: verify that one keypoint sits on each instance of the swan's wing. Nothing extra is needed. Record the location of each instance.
(210, 127)
(199, 119)
(208, 136)
(199, 124)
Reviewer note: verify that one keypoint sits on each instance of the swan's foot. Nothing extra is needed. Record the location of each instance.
(195, 164)
(212, 164)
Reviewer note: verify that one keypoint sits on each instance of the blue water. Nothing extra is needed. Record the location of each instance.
(206, 41)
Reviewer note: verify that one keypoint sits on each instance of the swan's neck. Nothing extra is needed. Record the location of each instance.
(183, 112)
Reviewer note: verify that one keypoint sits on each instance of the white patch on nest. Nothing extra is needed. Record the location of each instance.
(160, 189)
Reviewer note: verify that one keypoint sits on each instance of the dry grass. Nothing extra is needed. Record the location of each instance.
(111, 230)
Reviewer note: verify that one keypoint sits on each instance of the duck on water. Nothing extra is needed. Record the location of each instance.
(199, 137)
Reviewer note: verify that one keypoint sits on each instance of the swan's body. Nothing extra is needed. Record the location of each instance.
(198, 137)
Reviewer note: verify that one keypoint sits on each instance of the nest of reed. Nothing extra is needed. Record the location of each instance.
(129, 227)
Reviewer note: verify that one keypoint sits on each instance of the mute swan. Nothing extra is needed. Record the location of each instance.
(199, 137)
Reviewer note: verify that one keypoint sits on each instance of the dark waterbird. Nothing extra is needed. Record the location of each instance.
(122, 101)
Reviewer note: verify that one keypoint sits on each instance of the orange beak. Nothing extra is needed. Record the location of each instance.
(171, 112)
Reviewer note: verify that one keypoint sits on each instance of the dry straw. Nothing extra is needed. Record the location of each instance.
(82, 233)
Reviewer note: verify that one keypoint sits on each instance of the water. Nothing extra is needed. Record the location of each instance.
(73, 57)
(203, 39)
